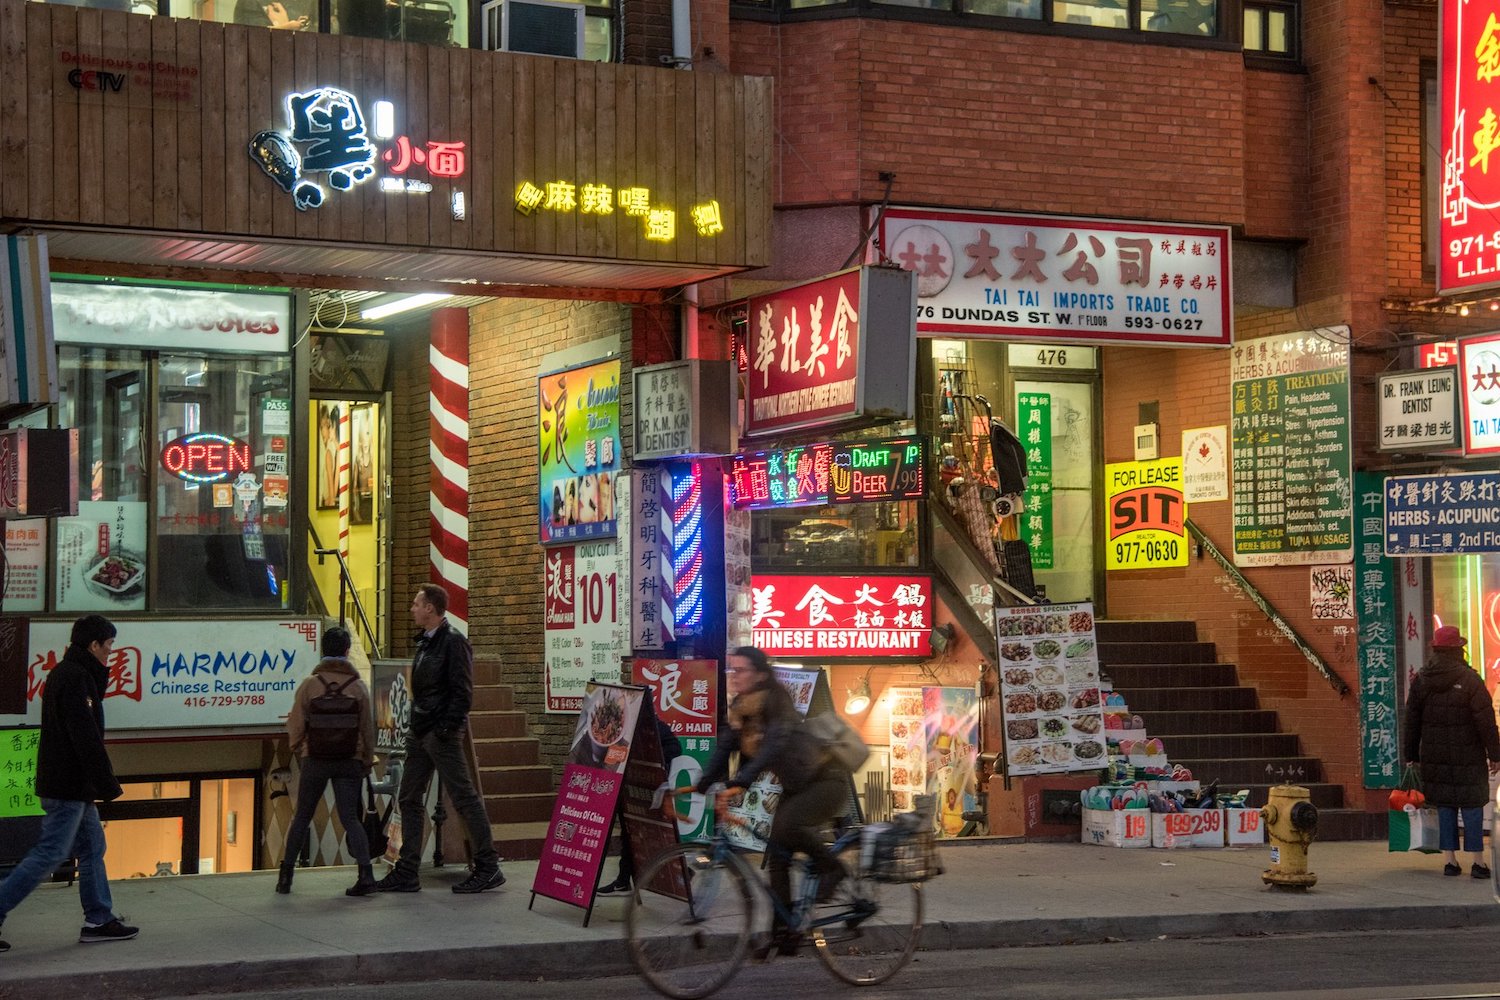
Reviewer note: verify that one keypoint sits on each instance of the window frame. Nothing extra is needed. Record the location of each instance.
(1266, 58)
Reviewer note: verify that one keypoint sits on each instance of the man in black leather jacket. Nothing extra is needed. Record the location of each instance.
(442, 685)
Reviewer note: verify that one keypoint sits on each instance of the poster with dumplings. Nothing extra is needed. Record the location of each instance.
(1049, 688)
(908, 746)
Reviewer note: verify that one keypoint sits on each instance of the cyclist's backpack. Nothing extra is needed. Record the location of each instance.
(839, 741)
(333, 722)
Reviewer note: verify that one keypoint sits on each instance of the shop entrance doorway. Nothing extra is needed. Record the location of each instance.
(1060, 519)
(183, 826)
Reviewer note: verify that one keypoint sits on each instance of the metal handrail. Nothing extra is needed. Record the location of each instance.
(347, 591)
(1268, 609)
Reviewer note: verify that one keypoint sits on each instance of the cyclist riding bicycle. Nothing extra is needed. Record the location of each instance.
(766, 729)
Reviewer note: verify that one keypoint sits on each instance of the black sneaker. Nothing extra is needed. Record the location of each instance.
(479, 881)
(621, 884)
(399, 881)
(4, 947)
(112, 931)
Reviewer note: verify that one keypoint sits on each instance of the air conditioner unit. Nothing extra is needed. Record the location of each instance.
(538, 27)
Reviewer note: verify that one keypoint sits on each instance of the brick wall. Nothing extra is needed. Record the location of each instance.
(1276, 154)
(507, 340)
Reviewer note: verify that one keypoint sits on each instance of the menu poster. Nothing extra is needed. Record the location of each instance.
(18, 773)
(751, 817)
(951, 726)
(908, 725)
(1049, 688)
(649, 830)
(578, 834)
(101, 557)
(1293, 486)
(26, 565)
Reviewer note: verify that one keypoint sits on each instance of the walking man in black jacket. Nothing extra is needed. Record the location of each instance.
(442, 692)
(72, 773)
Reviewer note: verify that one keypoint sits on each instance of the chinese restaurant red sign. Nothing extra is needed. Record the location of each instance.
(1469, 130)
(837, 472)
(808, 345)
(821, 616)
(983, 274)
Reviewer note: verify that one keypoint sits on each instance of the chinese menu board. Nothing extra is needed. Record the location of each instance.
(578, 834)
(18, 773)
(1289, 421)
(908, 746)
(26, 565)
(579, 452)
(1049, 688)
(101, 557)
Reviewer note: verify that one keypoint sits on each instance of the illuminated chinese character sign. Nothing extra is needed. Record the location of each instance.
(1469, 131)
(579, 449)
(1479, 368)
(327, 140)
(838, 472)
(833, 351)
(982, 274)
(826, 616)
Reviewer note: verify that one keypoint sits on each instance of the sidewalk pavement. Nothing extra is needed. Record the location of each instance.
(222, 933)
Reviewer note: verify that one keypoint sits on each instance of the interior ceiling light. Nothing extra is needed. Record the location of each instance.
(407, 304)
(859, 696)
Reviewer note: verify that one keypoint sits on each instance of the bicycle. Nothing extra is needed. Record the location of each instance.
(688, 948)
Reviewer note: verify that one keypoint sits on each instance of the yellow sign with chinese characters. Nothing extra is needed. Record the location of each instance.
(601, 199)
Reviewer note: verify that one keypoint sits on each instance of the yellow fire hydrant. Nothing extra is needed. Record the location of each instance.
(1291, 821)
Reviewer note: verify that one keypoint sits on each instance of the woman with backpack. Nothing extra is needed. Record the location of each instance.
(332, 730)
(767, 731)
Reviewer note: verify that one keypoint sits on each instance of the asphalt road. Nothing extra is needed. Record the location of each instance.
(1386, 965)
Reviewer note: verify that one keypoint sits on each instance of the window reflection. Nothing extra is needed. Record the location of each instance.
(1180, 17)
(1097, 14)
(861, 534)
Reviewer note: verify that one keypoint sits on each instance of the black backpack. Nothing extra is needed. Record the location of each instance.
(333, 722)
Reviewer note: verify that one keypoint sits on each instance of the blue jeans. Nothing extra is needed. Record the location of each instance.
(1473, 829)
(69, 829)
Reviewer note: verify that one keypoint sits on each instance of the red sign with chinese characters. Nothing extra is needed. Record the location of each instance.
(815, 617)
(684, 693)
(1469, 130)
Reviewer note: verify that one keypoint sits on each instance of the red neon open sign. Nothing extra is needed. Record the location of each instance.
(205, 458)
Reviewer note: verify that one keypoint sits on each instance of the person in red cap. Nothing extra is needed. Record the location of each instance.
(1451, 733)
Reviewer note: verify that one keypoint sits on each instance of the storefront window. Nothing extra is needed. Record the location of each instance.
(842, 535)
(222, 522)
(1466, 594)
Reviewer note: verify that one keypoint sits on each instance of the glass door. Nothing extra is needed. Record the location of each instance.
(1057, 423)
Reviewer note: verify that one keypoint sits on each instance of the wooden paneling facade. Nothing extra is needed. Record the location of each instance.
(161, 142)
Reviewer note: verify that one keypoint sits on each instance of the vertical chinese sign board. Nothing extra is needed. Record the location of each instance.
(685, 696)
(1375, 607)
(1468, 96)
(1034, 415)
(18, 773)
(1293, 478)
(578, 835)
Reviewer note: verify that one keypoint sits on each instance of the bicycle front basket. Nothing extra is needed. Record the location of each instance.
(903, 856)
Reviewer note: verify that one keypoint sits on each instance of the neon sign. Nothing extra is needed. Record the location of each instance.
(831, 472)
(601, 199)
(205, 458)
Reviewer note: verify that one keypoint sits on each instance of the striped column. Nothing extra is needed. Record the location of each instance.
(343, 481)
(448, 454)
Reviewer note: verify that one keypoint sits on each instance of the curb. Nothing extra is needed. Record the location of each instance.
(603, 958)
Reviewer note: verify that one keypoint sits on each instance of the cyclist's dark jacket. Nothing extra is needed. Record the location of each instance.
(766, 730)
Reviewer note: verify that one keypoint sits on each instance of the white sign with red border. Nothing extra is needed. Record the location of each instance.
(1479, 368)
(833, 616)
(984, 274)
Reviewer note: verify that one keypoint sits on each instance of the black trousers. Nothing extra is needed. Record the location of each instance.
(346, 776)
(798, 826)
(424, 755)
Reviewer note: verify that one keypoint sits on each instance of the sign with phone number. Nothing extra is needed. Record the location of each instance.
(1147, 515)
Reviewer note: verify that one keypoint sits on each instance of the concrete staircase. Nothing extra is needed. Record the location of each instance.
(1213, 725)
(517, 786)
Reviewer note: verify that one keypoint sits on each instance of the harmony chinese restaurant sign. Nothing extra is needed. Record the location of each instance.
(834, 351)
(1479, 367)
(1469, 133)
(822, 616)
(831, 472)
(983, 274)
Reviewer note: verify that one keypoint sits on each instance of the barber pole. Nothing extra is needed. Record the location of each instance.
(448, 453)
(343, 482)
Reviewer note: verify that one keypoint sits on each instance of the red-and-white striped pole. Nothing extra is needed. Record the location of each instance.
(343, 481)
(448, 455)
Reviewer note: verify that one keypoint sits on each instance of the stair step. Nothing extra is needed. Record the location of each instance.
(497, 725)
(1156, 652)
(1112, 630)
(520, 841)
(517, 779)
(487, 672)
(495, 698)
(1323, 795)
(1237, 772)
(1185, 698)
(1169, 675)
(1200, 723)
(508, 751)
(526, 807)
(1231, 745)
(1348, 824)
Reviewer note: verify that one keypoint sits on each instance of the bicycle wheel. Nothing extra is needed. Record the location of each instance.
(880, 934)
(687, 949)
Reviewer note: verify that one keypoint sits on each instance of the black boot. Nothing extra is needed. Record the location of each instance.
(365, 884)
(284, 880)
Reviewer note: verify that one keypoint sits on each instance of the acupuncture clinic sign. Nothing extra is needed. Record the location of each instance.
(842, 615)
(809, 347)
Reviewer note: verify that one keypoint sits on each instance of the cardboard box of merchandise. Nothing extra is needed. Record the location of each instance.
(1190, 828)
(1243, 826)
(1117, 827)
